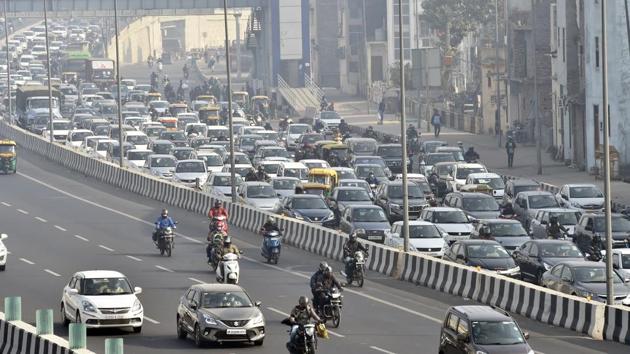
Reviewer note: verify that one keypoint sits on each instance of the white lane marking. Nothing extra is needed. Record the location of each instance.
(164, 269)
(134, 258)
(381, 350)
(41, 219)
(6, 204)
(197, 281)
(287, 315)
(23, 211)
(387, 303)
(60, 228)
(147, 318)
(82, 238)
(27, 261)
(106, 248)
(52, 273)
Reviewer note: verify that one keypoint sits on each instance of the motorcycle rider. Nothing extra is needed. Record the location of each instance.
(371, 179)
(324, 284)
(349, 249)
(485, 234)
(460, 145)
(317, 276)
(554, 229)
(370, 133)
(301, 315)
(507, 210)
(162, 222)
(251, 175)
(411, 132)
(343, 127)
(261, 175)
(270, 225)
(471, 155)
(228, 247)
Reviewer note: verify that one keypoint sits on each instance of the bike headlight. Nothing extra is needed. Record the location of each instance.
(87, 306)
(481, 352)
(209, 320)
(137, 306)
(546, 265)
(258, 320)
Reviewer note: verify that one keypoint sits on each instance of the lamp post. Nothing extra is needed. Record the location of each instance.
(50, 100)
(403, 135)
(118, 98)
(6, 45)
(497, 118)
(229, 94)
(237, 18)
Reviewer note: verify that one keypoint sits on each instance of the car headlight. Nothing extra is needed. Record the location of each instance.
(258, 320)
(531, 351)
(329, 217)
(137, 306)
(87, 306)
(481, 352)
(209, 320)
(298, 215)
(546, 265)
(585, 293)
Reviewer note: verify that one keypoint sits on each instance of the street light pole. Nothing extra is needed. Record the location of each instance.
(229, 94)
(497, 117)
(536, 112)
(607, 208)
(403, 135)
(237, 18)
(50, 100)
(119, 99)
(6, 45)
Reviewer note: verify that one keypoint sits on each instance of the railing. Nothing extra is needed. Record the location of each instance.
(289, 94)
(310, 84)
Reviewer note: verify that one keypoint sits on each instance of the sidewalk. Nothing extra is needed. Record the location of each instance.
(354, 111)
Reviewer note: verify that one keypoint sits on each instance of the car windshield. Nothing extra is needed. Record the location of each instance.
(61, 126)
(413, 191)
(80, 136)
(137, 155)
(432, 159)
(560, 250)
(160, 104)
(105, 286)
(527, 188)
(108, 109)
(163, 162)
(7, 149)
(138, 139)
(347, 174)
(284, 184)
(164, 149)
(593, 275)
(566, 218)
(364, 171)
(450, 217)
(507, 230)
(463, 172)
(443, 170)
(154, 131)
(182, 154)
(625, 261)
(369, 215)
(585, 192)
(424, 231)
(271, 168)
(619, 224)
(329, 115)
(225, 300)
(480, 204)
(301, 173)
(496, 333)
(224, 181)
(298, 129)
(365, 146)
(212, 160)
(486, 251)
(542, 201)
(353, 196)
(190, 167)
(263, 191)
(311, 139)
(241, 160)
(173, 135)
(275, 153)
(267, 135)
(494, 183)
(369, 160)
(103, 145)
(309, 203)
(390, 151)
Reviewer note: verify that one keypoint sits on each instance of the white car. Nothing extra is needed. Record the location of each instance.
(102, 299)
(3, 253)
(61, 128)
(220, 183)
(492, 180)
(260, 195)
(188, 172)
(161, 165)
(293, 132)
(214, 162)
(76, 137)
(293, 169)
(461, 171)
(621, 262)
(139, 139)
(452, 220)
(314, 163)
(137, 157)
(584, 197)
(102, 147)
(424, 237)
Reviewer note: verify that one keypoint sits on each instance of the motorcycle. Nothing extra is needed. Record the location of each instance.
(219, 224)
(228, 269)
(331, 310)
(165, 241)
(359, 268)
(305, 340)
(271, 246)
(593, 252)
(508, 216)
(215, 244)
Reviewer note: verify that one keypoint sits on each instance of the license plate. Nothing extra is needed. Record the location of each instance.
(116, 317)
(237, 331)
(374, 237)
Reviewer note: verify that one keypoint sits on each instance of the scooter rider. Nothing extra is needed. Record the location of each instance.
(261, 175)
(228, 247)
(507, 210)
(554, 229)
(343, 127)
(350, 248)
(370, 133)
(485, 234)
(371, 179)
(270, 225)
(163, 222)
(411, 132)
(323, 285)
(471, 155)
(301, 315)
(217, 210)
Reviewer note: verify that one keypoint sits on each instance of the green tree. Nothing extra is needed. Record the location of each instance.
(456, 17)
(394, 74)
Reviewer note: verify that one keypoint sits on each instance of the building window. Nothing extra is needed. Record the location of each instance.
(596, 124)
(489, 81)
(597, 52)
(564, 45)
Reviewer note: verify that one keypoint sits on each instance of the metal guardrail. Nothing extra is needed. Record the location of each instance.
(289, 95)
(313, 87)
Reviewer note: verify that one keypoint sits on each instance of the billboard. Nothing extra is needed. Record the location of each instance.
(290, 30)
(102, 65)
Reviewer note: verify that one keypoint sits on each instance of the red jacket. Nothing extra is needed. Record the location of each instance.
(217, 212)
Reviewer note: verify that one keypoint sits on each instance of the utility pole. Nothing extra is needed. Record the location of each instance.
(536, 111)
(237, 18)
(610, 299)
(50, 98)
(6, 42)
(119, 99)
(229, 98)
(403, 135)
(497, 116)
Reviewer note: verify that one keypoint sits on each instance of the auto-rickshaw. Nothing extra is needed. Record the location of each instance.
(325, 176)
(318, 148)
(209, 115)
(170, 123)
(262, 101)
(69, 77)
(479, 188)
(152, 96)
(8, 156)
(313, 188)
(335, 154)
(208, 98)
(242, 98)
(177, 108)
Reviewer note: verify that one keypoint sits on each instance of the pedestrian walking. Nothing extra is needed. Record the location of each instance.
(436, 121)
(510, 148)
(381, 111)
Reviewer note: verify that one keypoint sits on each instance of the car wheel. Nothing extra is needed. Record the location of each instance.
(64, 319)
(137, 329)
(3, 267)
(198, 340)
(539, 278)
(259, 342)
(181, 332)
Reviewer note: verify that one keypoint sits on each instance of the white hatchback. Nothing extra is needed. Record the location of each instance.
(3, 253)
(102, 299)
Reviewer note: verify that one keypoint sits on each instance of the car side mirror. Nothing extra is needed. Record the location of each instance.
(3, 237)
(461, 257)
(257, 303)
(193, 305)
(348, 219)
(566, 279)
(616, 266)
(137, 290)
(73, 291)
(462, 337)
(526, 335)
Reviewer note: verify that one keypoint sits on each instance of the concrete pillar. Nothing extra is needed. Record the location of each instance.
(237, 18)
(13, 308)
(44, 321)
(77, 336)
(114, 346)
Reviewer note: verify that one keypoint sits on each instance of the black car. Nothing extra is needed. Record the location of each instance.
(305, 146)
(535, 257)
(343, 197)
(183, 153)
(392, 154)
(307, 207)
(481, 329)
(389, 196)
(485, 254)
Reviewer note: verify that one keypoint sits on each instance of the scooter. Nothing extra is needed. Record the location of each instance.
(271, 246)
(165, 241)
(228, 269)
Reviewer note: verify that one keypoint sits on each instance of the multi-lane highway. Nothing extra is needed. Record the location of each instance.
(60, 222)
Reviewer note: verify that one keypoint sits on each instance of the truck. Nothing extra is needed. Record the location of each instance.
(100, 72)
(31, 103)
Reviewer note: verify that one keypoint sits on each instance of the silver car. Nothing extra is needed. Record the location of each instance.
(566, 217)
(260, 195)
(527, 204)
(219, 313)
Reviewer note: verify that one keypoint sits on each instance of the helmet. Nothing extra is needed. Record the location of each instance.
(433, 202)
(328, 271)
(260, 169)
(290, 121)
(553, 219)
(342, 121)
(227, 241)
(303, 301)
(271, 220)
(370, 128)
(485, 231)
(323, 266)
(358, 233)
(353, 236)
(164, 212)
(218, 204)
(410, 125)
(459, 143)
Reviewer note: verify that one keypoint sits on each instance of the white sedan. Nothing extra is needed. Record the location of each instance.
(102, 299)
(3, 253)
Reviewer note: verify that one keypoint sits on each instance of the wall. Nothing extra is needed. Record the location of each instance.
(489, 92)
(137, 41)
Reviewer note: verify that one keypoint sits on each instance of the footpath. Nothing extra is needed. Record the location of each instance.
(355, 112)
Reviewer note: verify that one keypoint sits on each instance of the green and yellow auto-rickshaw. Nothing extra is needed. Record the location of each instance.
(242, 98)
(8, 156)
(335, 154)
(208, 98)
(324, 176)
(209, 115)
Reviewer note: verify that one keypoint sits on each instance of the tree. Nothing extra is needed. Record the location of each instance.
(456, 18)
(394, 74)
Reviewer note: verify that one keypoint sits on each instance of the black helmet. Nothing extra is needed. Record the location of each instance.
(323, 266)
(303, 301)
(218, 204)
(553, 219)
(164, 212)
(370, 128)
(260, 168)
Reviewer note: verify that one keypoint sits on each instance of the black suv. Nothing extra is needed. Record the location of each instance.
(481, 329)
(392, 154)
(389, 196)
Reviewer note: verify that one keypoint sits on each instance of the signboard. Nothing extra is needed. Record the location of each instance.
(290, 29)
(423, 59)
(102, 65)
